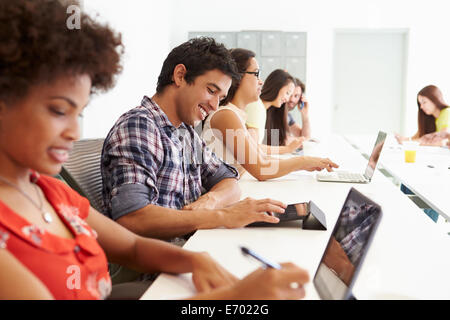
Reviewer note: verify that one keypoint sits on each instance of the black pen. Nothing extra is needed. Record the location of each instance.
(265, 262)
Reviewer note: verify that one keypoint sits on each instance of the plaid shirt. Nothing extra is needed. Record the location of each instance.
(144, 148)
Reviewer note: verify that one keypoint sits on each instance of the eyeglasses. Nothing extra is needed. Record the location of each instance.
(255, 73)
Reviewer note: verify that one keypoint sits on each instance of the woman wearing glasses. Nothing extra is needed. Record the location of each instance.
(226, 134)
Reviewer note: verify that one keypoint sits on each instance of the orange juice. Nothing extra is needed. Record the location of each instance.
(410, 156)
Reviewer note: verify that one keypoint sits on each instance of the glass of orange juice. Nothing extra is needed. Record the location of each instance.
(410, 148)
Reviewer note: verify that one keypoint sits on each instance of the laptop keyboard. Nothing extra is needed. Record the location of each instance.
(342, 176)
(350, 176)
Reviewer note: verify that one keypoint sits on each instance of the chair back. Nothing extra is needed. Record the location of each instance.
(82, 171)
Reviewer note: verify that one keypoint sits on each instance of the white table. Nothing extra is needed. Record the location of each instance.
(428, 177)
(407, 259)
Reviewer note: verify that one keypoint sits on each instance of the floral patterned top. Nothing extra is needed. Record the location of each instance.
(70, 268)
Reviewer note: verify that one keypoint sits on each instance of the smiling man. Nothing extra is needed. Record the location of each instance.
(159, 180)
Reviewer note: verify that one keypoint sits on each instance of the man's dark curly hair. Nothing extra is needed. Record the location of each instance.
(198, 55)
(37, 47)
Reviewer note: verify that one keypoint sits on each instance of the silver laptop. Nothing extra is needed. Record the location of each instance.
(343, 176)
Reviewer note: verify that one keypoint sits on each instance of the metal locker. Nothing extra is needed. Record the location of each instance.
(268, 64)
(227, 38)
(271, 44)
(295, 44)
(249, 40)
(296, 66)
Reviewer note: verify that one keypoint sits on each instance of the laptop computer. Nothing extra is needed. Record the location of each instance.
(347, 247)
(343, 176)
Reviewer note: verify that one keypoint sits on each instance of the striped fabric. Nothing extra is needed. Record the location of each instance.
(82, 170)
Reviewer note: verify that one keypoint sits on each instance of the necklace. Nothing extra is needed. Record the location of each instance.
(45, 215)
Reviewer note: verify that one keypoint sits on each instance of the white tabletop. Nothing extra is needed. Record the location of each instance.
(408, 257)
(428, 177)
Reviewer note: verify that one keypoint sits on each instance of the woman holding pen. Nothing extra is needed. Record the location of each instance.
(53, 244)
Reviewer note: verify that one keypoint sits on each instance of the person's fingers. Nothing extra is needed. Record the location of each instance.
(223, 279)
(269, 207)
(332, 164)
(201, 284)
(293, 273)
(272, 201)
(267, 218)
(295, 293)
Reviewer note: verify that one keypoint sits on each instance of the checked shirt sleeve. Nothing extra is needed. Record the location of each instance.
(131, 157)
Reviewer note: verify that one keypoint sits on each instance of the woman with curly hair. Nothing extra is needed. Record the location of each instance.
(53, 244)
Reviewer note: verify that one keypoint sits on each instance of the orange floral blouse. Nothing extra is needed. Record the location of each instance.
(70, 268)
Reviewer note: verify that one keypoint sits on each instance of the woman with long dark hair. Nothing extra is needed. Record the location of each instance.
(433, 116)
(226, 134)
(276, 92)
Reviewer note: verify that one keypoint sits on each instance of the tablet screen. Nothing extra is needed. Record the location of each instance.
(347, 246)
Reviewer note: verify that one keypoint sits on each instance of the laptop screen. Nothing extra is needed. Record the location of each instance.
(375, 155)
(347, 246)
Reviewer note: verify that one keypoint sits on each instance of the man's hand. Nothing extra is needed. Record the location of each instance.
(305, 109)
(249, 210)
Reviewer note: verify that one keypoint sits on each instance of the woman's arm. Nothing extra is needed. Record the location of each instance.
(246, 151)
(440, 138)
(293, 145)
(401, 138)
(264, 284)
(19, 283)
(150, 255)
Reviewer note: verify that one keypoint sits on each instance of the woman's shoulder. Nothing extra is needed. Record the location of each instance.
(228, 115)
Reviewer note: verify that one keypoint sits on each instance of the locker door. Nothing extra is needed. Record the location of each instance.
(271, 44)
(268, 64)
(296, 66)
(249, 40)
(227, 38)
(197, 34)
(295, 44)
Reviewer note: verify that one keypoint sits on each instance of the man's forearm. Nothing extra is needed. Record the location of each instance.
(306, 127)
(226, 192)
(164, 223)
(295, 130)
(275, 149)
(155, 255)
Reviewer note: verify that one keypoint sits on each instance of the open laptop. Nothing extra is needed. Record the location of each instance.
(347, 247)
(343, 176)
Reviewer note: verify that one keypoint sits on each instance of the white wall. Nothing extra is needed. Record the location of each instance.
(145, 27)
(152, 28)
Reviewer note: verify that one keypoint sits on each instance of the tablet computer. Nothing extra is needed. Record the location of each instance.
(347, 247)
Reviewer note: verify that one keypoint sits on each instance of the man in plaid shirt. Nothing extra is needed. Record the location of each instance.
(155, 167)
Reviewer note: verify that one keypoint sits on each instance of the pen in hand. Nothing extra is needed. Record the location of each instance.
(265, 262)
